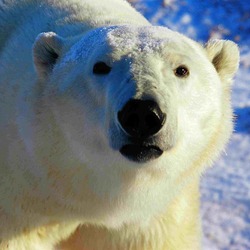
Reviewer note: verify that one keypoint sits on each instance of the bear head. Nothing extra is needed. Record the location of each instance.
(128, 115)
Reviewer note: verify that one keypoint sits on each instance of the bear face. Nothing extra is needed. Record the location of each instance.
(130, 108)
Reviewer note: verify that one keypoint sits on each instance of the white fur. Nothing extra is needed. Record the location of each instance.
(59, 134)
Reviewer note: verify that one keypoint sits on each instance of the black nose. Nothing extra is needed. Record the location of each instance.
(141, 118)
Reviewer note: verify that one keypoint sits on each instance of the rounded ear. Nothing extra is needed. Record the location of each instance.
(46, 51)
(224, 55)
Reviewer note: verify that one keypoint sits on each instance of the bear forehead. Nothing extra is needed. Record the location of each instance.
(147, 39)
(142, 39)
(129, 39)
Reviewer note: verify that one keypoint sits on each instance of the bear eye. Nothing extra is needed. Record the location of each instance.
(101, 68)
(181, 71)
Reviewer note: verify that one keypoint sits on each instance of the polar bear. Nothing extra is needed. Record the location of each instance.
(106, 125)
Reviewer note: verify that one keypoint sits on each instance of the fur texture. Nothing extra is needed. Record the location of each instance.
(61, 169)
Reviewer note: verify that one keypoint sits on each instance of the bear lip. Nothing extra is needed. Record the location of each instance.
(140, 153)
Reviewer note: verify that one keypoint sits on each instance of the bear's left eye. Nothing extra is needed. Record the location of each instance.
(101, 68)
(181, 71)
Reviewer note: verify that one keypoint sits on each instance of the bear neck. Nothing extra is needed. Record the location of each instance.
(178, 228)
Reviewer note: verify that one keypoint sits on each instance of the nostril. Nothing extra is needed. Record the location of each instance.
(132, 121)
(152, 122)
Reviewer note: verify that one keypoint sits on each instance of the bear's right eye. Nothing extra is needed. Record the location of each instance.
(181, 71)
(101, 68)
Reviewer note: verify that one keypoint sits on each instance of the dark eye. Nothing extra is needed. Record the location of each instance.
(181, 71)
(101, 68)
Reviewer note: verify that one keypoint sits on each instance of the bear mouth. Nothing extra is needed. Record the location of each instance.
(140, 153)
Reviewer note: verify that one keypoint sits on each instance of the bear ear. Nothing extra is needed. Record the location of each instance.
(224, 55)
(46, 51)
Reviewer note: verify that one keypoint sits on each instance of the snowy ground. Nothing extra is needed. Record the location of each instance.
(225, 187)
